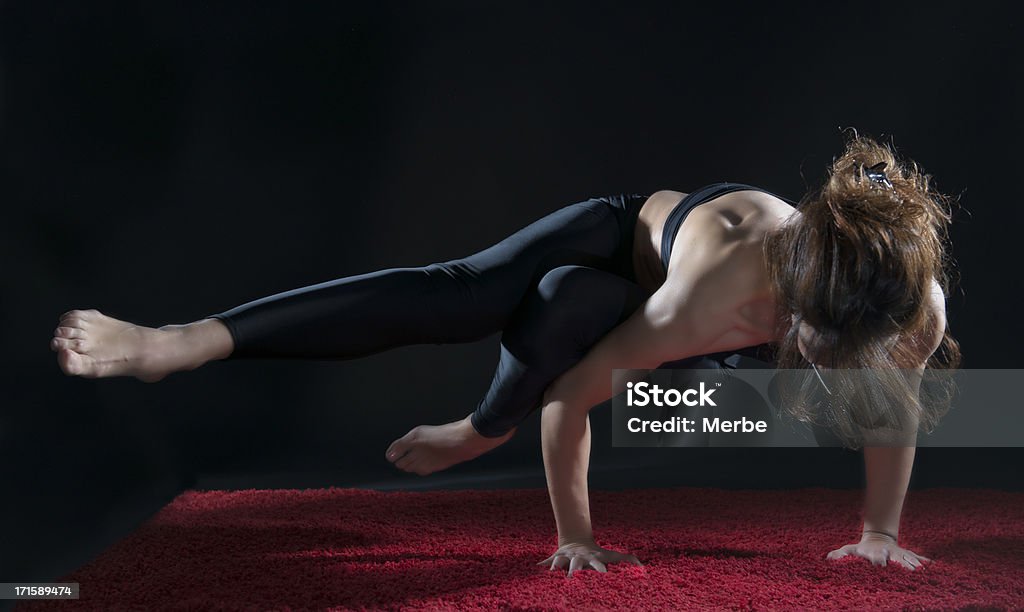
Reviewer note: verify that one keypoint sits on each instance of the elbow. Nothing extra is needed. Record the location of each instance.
(563, 418)
(559, 397)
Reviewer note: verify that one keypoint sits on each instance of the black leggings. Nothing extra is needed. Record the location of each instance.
(553, 289)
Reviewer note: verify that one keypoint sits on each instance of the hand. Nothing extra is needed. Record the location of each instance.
(879, 550)
(584, 555)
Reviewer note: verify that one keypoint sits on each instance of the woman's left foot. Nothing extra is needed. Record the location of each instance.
(431, 448)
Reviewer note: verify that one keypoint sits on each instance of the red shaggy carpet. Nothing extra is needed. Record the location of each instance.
(703, 548)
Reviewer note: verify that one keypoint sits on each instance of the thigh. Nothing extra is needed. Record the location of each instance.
(493, 282)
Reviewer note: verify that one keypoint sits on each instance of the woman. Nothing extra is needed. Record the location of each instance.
(854, 279)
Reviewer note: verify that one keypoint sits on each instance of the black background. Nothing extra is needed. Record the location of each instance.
(162, 162)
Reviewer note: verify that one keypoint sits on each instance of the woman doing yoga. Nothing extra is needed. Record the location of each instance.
(853, 278)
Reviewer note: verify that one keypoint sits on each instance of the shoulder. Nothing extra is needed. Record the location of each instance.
(749, 198)
(937, 311)
(667, 195)
(927, 340)
(936, 306)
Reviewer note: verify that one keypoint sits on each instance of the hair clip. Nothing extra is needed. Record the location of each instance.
(876, 174)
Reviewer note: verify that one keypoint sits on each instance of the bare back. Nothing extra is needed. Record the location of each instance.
(716, 271)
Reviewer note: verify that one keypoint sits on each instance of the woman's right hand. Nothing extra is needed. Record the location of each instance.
(577, 556)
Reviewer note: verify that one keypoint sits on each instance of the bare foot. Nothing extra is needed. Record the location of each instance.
(88, 343)
(431, 448)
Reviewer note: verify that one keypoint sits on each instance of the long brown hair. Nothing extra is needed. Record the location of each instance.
(856, 265)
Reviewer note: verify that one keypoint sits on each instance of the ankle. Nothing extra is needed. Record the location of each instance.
(170, 349)
(214, 338)
(469, 430)
(193, 344)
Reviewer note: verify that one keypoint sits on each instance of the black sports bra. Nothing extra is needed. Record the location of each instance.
(683, 208)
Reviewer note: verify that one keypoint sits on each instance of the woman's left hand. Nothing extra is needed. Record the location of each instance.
(880, 550)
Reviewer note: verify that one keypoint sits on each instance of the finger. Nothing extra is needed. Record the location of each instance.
(547, 561)
(598, 565)
(839, 553)
(923, 559)
(560, 562)
(904, 561)
(611, 556)
(631, 559)
(913, 560)
(575, 565)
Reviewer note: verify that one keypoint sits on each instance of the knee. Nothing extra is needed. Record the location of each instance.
(558, 391)
(587, 295)
(570, 308)
(574, 299)
(558, 283)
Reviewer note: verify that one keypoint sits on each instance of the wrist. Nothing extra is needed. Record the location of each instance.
(580, 538)
(879, 534)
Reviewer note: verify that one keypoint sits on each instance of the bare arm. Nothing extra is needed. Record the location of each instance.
(888, 468)
(654, 334)
(887, 471)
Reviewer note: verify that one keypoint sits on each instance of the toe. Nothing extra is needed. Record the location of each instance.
(65, 343)
(74, 322)
(69, 332)
(77, 364)
(70, 362)
(405, 461)
(79, 318)
(399, 447)
(422, 468)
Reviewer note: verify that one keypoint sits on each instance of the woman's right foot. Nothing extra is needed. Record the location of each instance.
(90, 344)
(430, 448)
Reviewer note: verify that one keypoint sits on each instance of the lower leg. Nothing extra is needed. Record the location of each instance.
(339, 319)
(571, 308)
(91, 344)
